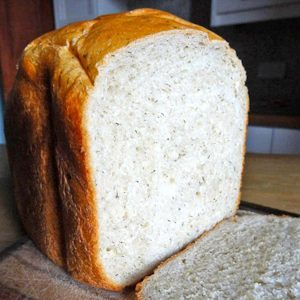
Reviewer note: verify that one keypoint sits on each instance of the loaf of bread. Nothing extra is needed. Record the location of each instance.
(251, 257)
(126, 138)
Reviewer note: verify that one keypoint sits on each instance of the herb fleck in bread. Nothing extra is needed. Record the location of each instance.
(126, 139)
(251, 257)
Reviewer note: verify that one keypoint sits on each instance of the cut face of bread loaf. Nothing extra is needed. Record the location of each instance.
(165, 124)
(253, 257)
(144, 136)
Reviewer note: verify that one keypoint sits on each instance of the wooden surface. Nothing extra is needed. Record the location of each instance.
(272, 181)
(20, 23)
(27, 274)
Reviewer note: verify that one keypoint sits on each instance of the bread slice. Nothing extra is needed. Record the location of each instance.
(250, 257)
(126, 139)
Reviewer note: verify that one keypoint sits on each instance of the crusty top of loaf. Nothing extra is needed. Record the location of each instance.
(91, 40)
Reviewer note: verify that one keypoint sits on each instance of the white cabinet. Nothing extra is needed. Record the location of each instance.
(68, 11)
(273, 140)
(229, 12)
(286, 141)
(259, 139)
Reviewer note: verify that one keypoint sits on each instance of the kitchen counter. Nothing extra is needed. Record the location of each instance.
(272, 181)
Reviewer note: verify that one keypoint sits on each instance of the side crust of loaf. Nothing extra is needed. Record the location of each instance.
(47, 140)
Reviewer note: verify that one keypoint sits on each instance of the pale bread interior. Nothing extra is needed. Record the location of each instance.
(166, 127)
(257, 257)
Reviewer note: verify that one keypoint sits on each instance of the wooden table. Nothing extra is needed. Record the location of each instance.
(272, 181)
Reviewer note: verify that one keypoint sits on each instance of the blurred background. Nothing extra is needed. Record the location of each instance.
(266, 36)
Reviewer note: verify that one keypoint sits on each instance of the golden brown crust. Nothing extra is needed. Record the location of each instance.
(29, 143)
(47, 141)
